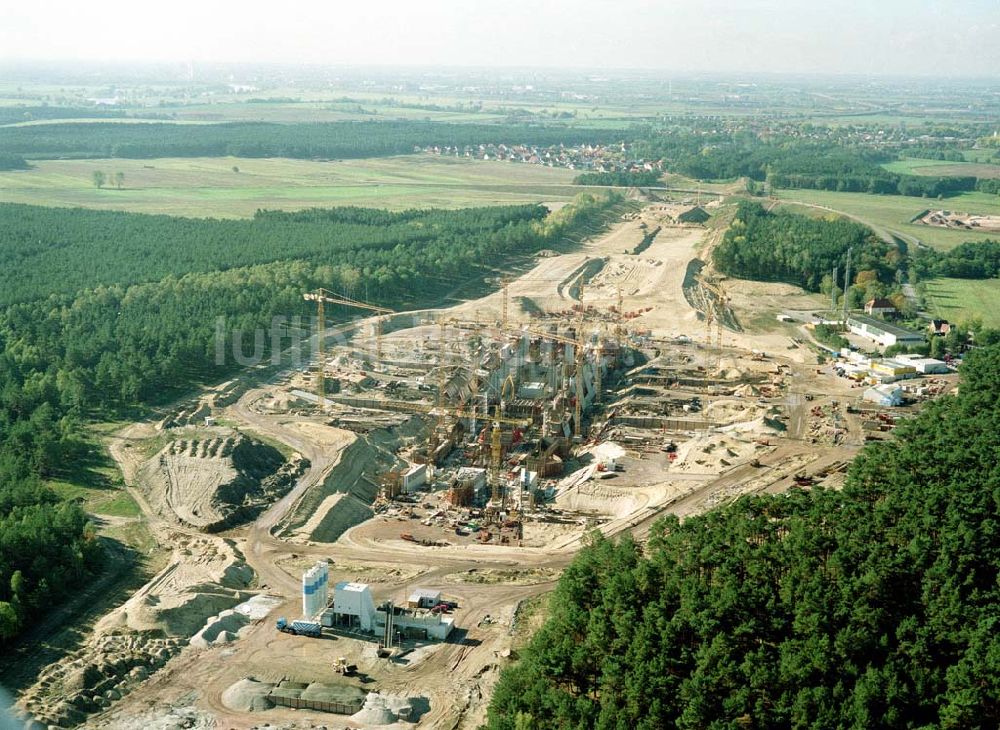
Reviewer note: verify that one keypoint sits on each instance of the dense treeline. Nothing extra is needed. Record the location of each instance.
(47, 548)
(800, 250)
(872, 607)
(970, 260)
(53, 250)
(796, 164)
(13, 162)
(989, 185)
(619, 179)
(120, 341)
(15, 114)
(308, 141)
(935, 153)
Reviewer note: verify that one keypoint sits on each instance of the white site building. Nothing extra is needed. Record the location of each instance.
(354, 608)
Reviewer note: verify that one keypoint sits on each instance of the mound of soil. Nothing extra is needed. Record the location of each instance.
(216, 478)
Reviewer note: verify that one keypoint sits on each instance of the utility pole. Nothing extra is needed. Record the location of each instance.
(847, 284)
(321, 369)
(833, 293)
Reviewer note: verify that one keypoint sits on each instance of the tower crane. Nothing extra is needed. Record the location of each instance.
(716, 303)
(495, 423)
(620, 322)
(324, 296)
(504, 284)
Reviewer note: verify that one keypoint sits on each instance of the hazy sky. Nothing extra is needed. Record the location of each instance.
(921, 37)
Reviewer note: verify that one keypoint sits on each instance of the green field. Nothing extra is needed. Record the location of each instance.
(958, 300)
(942, 168)
(211, 187)
(893, 212)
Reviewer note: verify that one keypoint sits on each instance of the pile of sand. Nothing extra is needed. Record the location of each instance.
(761, 425)
(206, 576)
(92, 678)
(258, 607)
(221, 629)
(714, 452)
(248, 695)
(389, 709)
(592, 496)
(607, 451)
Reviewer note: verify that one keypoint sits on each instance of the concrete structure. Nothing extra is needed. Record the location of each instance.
(882, 332)
(528, 479)
(858, 358)
(414, 477)
(532, 391)
(419, 624)
(472, 476)
(885, 395)
(353, 606)
(424, 598)
(315, 589)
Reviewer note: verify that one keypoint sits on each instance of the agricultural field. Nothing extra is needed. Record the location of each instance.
(944, 168)
(229, 187)
(959, 300)
(894, 212)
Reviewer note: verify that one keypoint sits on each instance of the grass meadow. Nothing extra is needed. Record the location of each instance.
(228, 187)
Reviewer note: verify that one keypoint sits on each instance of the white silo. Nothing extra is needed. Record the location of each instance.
(315, 588)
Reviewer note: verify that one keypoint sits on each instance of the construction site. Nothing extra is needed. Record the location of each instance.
(467, 450)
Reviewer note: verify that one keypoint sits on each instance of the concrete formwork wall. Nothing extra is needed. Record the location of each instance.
(665, 424)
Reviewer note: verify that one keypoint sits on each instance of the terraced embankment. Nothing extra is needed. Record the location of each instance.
(343, 498)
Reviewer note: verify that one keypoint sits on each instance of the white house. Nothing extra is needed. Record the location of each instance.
(879, 306)
(424, 598)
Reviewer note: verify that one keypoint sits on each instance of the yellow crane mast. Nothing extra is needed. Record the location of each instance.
(324, 296)
(715, 306)
(504, 307)
(620, 322)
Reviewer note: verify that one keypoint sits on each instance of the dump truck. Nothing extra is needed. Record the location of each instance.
(299, 627)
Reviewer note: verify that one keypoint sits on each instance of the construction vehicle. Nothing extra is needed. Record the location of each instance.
(323, 297)
(340, 666)
(299, 627)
